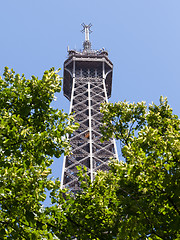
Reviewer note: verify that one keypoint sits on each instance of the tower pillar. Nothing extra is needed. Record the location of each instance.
(87, 84)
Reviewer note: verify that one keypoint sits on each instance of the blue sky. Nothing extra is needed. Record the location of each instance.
(141, 36)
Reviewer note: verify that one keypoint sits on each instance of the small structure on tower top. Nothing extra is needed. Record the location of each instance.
(87, 30)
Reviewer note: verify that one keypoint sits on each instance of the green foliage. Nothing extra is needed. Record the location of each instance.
(137, 199)
(149, 180)
(31, 132)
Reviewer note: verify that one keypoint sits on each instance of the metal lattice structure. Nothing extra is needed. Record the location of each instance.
(87, 83)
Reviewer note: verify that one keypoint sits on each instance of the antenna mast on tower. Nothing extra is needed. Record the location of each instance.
(87, 30)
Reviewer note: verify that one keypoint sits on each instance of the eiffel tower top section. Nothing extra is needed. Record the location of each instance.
(87, 63)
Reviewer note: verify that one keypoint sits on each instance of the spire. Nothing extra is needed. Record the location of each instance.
(87, 30)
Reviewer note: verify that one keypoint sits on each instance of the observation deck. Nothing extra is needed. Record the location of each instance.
(89, 64)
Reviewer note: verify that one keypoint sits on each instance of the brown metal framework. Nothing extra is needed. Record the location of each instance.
(87, 83)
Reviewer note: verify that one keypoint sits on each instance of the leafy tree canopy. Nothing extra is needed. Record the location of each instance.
(137, 199)
(31, 132)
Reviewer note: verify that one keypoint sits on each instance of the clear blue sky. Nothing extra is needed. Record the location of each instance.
(142, 37)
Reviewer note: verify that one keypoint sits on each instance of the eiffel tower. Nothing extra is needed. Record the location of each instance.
(87, 83)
